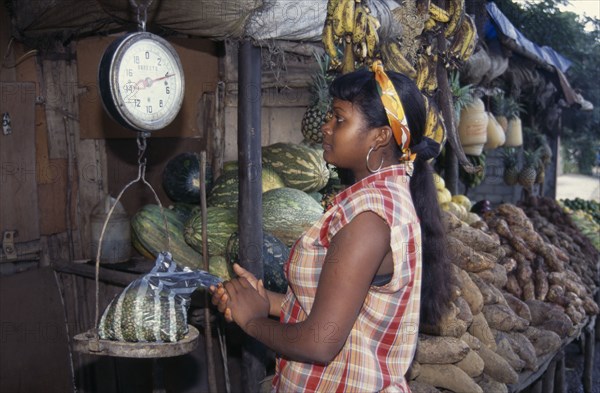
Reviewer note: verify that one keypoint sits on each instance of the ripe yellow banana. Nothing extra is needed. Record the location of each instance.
(422, 71)
(331, 6)
(348, 16)
(435, 128)
(360, 24)
(456, 10)
(338, 18)
(465, 40)
(396, 60)
(371, 36)
(329, 42)
(438, 14)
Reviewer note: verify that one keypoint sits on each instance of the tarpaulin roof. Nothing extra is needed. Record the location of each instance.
(544, 54)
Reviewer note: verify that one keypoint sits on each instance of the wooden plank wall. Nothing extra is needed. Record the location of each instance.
(284, 96)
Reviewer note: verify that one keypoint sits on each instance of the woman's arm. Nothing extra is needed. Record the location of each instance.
(354, 256)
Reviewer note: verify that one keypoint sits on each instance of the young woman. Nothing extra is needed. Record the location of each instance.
(375, 264)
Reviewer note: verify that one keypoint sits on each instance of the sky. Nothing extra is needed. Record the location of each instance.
(584, 7)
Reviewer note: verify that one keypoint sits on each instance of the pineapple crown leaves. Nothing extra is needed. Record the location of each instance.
(462, 95)
(321, 80)
(510, 157)
(508, 106)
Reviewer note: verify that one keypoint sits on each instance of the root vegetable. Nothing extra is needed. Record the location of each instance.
(440, 350)
(464, 312)
(505, 350)
(518, 306)
(465, 257)
(544, 341)
(524, 348)
(513, 287)
(449, 325)
(497, 367)
(481, 330)
(508, 263)
(471, 364)
(490, 294)
(540, 279)
(413, 370)
(478, 240)
(502, 317)
(448, 376)
(490, 385)
(495, 276)
(422, 387)
(472, 341)
(471, 293)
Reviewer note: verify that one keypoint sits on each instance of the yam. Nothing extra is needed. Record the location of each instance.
(450, 221)
(472, 364)
(477, 240)
(524, 348)
(518, 306)
(540, 279)
(481, 330)
(490, 294)
(447, 376)
(422, 387)
(515, 216)
(440, 350)
(556, 295)
(505, 350)
(472, 341)
(502, 317)
(543, 312)
(413, 370)
(464, 311)
(465, 257)
(497, 367)
(495, 276)
(471, 293)
(449, 324)
(508, 263)
(490, 385)
(513, 287)
(544, 341)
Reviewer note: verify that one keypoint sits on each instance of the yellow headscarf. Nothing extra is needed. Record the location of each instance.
(394, 110)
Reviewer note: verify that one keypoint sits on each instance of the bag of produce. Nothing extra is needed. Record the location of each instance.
(154, 307)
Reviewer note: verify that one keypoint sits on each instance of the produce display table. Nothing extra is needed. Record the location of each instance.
(550, 374)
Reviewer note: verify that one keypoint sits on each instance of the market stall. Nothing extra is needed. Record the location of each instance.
(236, 173)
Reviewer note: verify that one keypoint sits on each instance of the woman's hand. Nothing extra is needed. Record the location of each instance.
(246, 303)
(219, 294)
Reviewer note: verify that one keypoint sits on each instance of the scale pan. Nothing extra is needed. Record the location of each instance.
(87, 343)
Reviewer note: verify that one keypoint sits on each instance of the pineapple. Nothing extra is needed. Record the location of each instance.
(316, 114)
(528, 173)
(511, 172)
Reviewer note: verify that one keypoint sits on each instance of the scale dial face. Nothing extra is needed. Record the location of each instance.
(145, 82)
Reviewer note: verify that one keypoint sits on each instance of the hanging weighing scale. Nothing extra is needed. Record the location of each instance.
(142, 85)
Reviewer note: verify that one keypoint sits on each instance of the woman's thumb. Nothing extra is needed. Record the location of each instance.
(240, 271)
(261, 289)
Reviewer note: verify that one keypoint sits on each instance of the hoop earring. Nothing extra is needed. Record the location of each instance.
(380, 164)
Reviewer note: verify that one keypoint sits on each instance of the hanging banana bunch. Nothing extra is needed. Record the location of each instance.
(352, 27)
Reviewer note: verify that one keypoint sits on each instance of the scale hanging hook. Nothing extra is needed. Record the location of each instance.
(142, 12)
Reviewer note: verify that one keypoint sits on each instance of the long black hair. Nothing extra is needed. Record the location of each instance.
(360, 88)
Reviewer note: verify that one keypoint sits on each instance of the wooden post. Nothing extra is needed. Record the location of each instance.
(250, 193)
(559, 374)
(588, 357)
(548, 377)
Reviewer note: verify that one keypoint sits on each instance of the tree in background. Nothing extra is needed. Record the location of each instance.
(543, 23)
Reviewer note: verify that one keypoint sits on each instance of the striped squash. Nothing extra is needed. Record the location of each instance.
(150, 237)
(288, 212)
(225, 190)
(299, 166)
(220, 224)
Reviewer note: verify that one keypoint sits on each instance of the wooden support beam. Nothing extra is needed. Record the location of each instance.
(588, 357)
(559, 375)
(250, 194)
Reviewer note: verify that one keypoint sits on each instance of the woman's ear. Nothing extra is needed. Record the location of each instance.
(382, 137)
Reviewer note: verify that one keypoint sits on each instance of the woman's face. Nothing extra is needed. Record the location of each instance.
(345, 138)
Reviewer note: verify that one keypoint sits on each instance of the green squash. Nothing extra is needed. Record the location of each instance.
(274, 256)
(181, 178)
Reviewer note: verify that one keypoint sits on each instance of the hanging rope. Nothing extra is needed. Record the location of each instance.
(141, 144)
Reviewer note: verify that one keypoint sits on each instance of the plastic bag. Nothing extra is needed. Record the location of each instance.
(154, 307)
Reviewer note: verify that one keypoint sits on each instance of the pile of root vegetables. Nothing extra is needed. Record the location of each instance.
(518, 296)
